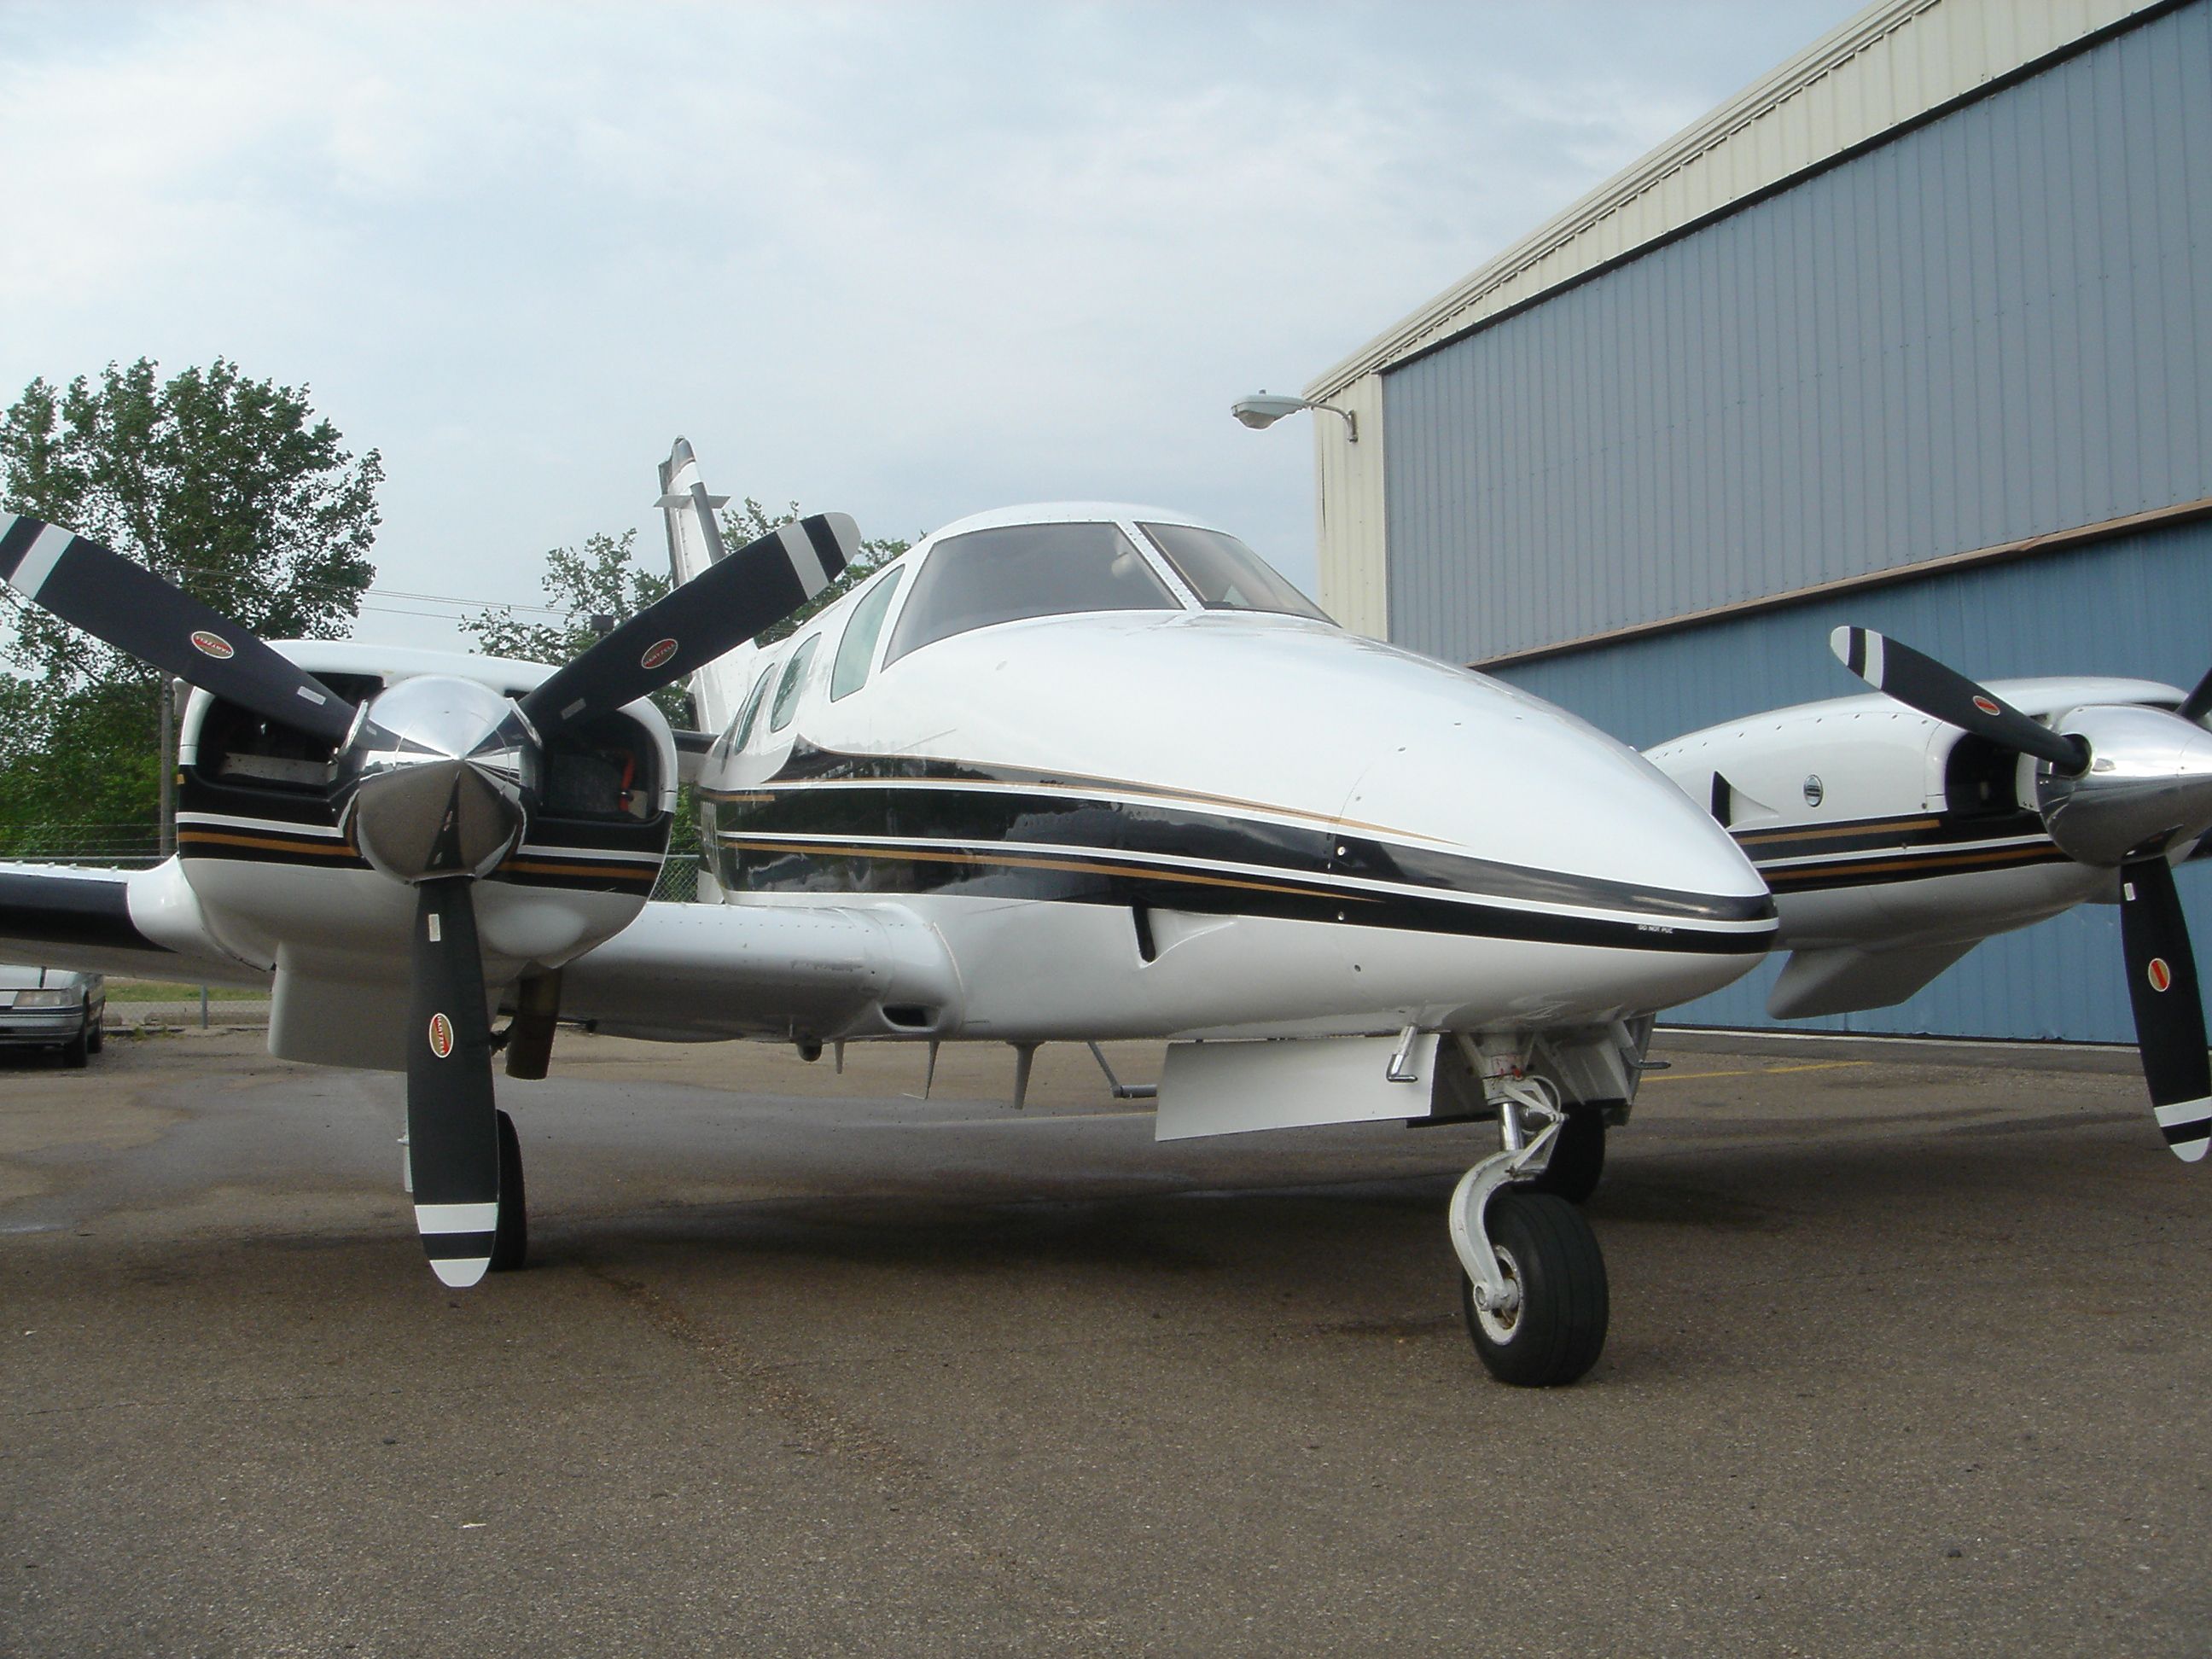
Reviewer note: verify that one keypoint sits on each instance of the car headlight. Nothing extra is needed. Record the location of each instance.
(46, 998)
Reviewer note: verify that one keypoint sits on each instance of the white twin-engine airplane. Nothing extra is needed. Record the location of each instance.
(1071, 773)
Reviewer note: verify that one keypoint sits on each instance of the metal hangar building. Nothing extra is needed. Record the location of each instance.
(1914, 333)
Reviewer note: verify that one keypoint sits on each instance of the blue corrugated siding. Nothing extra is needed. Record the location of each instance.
(2138, 605)
(1993, 326)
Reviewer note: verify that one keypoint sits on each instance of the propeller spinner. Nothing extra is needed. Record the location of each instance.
(435, 778)
(2120, 787)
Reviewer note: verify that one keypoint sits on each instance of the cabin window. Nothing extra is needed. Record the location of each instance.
(989, 576)
(1227, 575)
(752, 709)
(850, 671)
(787, 690)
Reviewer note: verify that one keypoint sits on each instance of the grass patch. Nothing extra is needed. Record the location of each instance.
(157, 990)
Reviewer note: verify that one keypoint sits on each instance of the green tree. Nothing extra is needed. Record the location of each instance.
(229, 487)
(599, 578)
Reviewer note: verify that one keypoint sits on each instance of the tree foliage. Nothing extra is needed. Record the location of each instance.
(599, 578)
(230, 487)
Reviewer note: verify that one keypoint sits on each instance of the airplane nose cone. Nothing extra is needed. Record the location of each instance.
(1532, 785)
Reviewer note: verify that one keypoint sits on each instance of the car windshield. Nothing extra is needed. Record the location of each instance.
(1024, 570)
(1227, 575)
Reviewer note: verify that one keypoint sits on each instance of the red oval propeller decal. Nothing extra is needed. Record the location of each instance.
(657, 654)
(1987, 705)
(211, 645)
(2159, 973)
(442, 1036)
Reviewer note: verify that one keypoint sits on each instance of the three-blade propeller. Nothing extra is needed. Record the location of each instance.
(435, 779)
(2122, 789)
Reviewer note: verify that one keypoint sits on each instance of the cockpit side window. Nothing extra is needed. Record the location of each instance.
(850, 671)
(1001, 575)
(752, 709)
(787, 690)
(1227, 575)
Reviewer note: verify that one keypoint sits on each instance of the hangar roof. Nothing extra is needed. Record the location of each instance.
(1894, 63)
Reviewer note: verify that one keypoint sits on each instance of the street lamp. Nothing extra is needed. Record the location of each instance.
(1263, 409)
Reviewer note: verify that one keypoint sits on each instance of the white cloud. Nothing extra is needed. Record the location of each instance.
(908, 260)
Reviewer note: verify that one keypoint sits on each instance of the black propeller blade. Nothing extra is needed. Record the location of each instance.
(2169, 1009)
(2198, 703)
(452, 1125)
(723, 606)
(1922, 683)
(126, 604)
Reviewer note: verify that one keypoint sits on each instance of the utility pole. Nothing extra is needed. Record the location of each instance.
(168, 759)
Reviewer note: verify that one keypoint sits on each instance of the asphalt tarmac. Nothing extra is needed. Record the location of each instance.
(1910, 1351)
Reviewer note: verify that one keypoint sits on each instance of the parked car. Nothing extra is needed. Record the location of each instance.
(51, 1007)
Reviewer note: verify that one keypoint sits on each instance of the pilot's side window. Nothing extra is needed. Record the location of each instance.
(787, 690)
(990, 576)
(752, 709)
(850, 671)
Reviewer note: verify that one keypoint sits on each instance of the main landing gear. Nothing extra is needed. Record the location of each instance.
(1534, 1290)
(510, 1238)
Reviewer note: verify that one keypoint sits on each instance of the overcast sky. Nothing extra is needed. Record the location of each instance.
(910, 260)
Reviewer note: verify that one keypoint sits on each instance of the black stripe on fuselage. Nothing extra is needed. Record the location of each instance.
(71, 910)
(1078, 875)
(920, 802)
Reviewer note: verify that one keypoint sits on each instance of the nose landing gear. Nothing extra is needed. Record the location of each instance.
(1534, 1288)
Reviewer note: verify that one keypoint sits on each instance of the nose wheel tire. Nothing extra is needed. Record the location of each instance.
(510, 1239)
(1577, 1155)
(1549, 1253)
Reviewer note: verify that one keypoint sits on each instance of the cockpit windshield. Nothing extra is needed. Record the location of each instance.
(1227, 575)
(1005, 574)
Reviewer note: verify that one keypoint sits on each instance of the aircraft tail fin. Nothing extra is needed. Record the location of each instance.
(695, 544)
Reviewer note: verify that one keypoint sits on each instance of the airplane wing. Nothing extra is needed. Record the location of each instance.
(141, 922)
(705, 973)
(680, 973)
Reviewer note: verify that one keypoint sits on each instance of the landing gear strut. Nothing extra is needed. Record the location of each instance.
(1577, 1155)
(1534, 1289)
